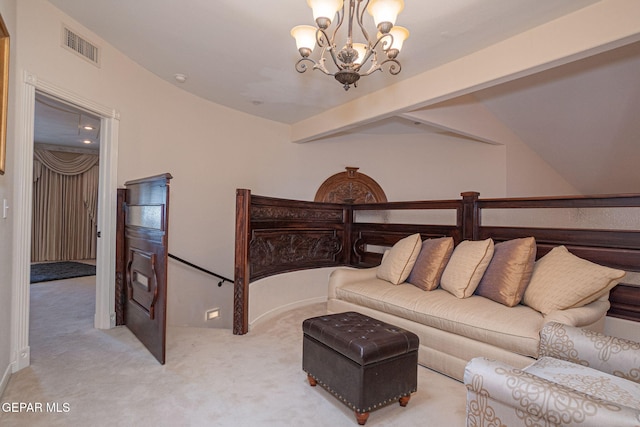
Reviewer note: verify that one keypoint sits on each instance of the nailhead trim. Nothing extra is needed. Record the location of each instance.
(351, 405)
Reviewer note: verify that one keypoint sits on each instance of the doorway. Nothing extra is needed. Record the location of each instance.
(65, 181)
(23, 208)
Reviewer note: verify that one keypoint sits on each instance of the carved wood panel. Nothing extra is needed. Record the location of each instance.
(282, 213)
(350, 187)
(282, 250)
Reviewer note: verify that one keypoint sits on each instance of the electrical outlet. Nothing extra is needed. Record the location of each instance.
(214, 313)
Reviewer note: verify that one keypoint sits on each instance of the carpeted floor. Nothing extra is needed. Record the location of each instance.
(48, 271)
(211, 378)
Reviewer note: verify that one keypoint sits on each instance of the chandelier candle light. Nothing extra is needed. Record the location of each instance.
(352, 57)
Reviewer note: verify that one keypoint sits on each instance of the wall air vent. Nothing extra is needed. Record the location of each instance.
(80, 46)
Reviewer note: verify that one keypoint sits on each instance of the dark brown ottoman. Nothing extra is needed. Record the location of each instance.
(362, 361)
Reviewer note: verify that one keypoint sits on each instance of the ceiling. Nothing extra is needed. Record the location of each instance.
(580, 117)
(63, 125)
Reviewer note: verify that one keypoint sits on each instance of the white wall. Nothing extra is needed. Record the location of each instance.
(7, 9)
(212, 150)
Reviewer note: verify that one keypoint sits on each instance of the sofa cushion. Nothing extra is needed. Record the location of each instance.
(466, 267)
(430, 264)
(509, 271)
(513, 328)
(399, 260)
(588, 380)
(562, 280)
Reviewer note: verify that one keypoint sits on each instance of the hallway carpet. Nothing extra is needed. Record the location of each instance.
(83, 376)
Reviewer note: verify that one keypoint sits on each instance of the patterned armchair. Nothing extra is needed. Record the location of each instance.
(582, 378)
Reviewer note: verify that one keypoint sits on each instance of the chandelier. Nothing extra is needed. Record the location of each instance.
(352, 60)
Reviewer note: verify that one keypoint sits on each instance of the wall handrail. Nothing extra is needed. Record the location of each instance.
(204, 270)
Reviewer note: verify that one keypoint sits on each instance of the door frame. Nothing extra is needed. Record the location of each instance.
(23, 206)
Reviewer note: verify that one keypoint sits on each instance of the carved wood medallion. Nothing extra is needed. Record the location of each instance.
(350, 187)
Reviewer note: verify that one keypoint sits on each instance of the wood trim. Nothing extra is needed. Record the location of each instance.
(625, 302)
(120, 258)
(241, 272)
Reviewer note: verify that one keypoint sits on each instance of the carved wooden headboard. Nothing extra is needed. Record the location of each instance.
(279, 235)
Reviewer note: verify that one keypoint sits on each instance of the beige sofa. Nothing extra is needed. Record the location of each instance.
(582, 378)
(454, 330)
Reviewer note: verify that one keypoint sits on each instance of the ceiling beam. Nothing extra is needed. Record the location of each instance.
(594, 29)
(468, 119)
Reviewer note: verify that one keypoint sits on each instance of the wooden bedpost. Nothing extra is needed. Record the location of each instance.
(241, 269)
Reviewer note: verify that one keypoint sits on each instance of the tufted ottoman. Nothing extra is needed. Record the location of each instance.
(362, 361)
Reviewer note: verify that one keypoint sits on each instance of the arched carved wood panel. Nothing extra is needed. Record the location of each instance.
(350, 187)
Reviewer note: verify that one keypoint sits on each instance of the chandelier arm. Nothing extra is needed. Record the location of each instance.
(336, 61)
(350, 29)
(360, 18)
(374, 67)
(385, 45)
(372, 51)
(301, 67)
(320, 65)
(339, 23)
(322, 38)
(394, 67)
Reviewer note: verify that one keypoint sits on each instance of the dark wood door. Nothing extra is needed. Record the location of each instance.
(146, 220)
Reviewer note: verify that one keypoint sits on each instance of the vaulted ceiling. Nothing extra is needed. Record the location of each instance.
(577, 109)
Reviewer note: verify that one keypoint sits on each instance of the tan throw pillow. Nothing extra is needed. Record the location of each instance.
(466, 267)
(509, 271)
(430, 264)
(398, 262)
(562, 280)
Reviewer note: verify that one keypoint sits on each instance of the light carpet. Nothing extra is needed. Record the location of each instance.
(97, 377)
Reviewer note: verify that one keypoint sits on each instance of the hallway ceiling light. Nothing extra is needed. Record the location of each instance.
(352, 59)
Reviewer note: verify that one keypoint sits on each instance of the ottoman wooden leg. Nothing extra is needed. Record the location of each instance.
(312, 381)
(362, 417)
(404, 400)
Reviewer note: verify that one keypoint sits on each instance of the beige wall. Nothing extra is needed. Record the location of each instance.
(212, 150)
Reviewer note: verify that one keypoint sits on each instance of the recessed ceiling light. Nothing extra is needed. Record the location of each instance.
(87, 141)
(180, 78)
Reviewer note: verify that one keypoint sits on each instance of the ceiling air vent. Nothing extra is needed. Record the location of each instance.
(80, 46)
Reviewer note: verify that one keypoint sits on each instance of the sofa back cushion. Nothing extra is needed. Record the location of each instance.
(509, 271)
(399, 260)
(466, 267)
(562, 280)
(430, 264)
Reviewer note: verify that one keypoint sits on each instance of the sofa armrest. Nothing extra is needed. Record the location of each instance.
(580, 316)
(506, 396)
(343, 275)
(615, 356)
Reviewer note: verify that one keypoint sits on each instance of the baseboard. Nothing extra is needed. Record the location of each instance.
(283, 308)
(5, 379)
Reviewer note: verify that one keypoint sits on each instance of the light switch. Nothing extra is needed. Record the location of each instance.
(5, 208)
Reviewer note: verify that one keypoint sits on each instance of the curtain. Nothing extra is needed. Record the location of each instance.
(65, 194)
